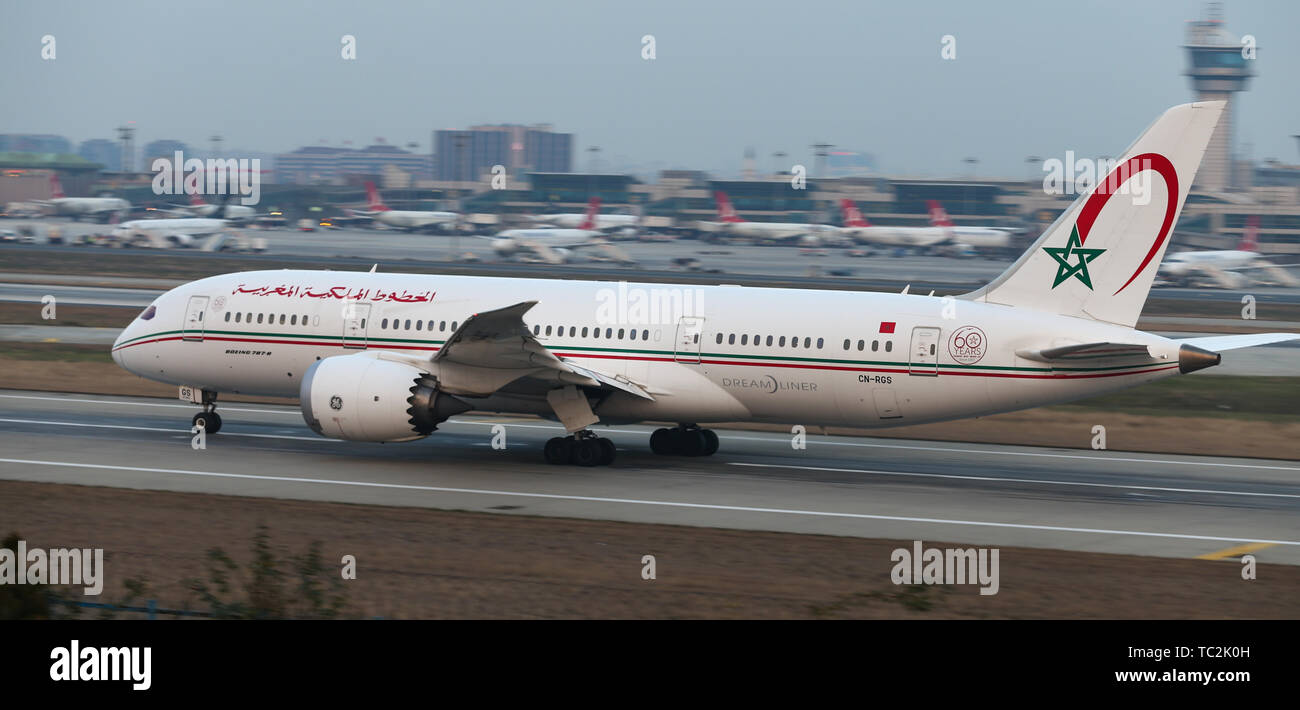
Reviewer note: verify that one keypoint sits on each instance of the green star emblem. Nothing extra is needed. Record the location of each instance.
(1064, 269)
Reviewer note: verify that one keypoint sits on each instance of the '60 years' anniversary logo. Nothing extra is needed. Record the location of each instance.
(967, 345)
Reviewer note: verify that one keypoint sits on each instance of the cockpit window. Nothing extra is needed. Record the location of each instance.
(148, 313)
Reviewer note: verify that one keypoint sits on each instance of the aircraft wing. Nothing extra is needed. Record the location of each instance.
(1280, 274)
(1226, 279)
(492, 350)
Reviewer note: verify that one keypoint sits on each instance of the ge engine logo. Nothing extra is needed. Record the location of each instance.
(967, 345)
(336, 402)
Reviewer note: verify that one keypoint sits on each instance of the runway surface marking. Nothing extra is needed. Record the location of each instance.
(1236, 551)
(170, 431)
(741, 437)
(827, 469)
(1010, 480)
(659, 503)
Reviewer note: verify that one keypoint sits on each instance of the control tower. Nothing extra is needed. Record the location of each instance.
(1219, 65)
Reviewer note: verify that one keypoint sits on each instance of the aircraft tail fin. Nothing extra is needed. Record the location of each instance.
(56, 187)
(589, 218)
(852, 216)
(1098, 259)
(938, 215)
(1250, 236)
(374, 202)
(726, 212)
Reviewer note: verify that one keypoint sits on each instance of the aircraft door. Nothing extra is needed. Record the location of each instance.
(687, 347)
(924, 356)
(192, 328)
(356, 317)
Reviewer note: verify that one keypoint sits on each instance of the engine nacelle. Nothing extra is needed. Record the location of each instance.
(364, 397)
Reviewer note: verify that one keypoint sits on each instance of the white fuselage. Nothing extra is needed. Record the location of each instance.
(765, 231)
(179, 231)
(231, 212)
(511, 241)
(742, 354)
(573, 221)
(922, 237)
(415, 219)
(193, 226)
(1190, 262)
(77, 206)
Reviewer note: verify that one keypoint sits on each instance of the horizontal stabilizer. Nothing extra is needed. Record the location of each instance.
(1233, 342)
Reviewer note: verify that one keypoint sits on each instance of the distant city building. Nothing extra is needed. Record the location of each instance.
(165, 148)
(103, 151)
(848, 163)
(469, 154)
(319, 164)
(33, 143)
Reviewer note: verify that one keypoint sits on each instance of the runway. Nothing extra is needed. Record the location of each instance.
(1172, 506)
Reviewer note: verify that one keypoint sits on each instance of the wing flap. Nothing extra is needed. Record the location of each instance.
(492, 349)
(1087, 351)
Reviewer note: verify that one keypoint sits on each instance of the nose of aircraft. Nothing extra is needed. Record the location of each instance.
(117, 344)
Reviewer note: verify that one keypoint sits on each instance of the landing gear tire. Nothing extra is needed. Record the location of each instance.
(710, 442)
(557, 451)
(209, 422)
(586, 450)
(660, 442)
(684, 441)
(607, 451)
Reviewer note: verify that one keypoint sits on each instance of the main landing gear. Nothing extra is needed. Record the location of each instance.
(583, 448)
(208, 420)
(684, 440)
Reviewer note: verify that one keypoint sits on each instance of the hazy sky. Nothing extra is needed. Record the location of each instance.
(1030, 77)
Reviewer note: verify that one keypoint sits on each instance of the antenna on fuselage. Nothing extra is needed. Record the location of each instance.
(905, 289)
(372, 269)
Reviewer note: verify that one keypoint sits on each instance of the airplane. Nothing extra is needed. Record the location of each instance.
(857, 228)
(1225, 267)
(732, 224)
(77, 207)
(166, 233)
(376, 357)
(554, 244)
(575, 220)
(973, 237)
(199, 207)
(410, 220)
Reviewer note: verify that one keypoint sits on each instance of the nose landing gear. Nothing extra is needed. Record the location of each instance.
(208, 420)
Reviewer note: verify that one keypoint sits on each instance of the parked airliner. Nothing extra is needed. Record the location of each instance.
(730, 223)
(387, 357)
(554, 244)
(104, 208)
(1225, 267)
(405, 219)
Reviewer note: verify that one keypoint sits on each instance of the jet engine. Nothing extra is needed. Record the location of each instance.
(366, 397)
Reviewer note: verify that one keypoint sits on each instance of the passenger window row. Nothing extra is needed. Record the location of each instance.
(399, 324)
(769, 341)
(264, 318)
(575, 332)
(875, 345)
